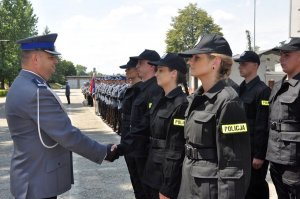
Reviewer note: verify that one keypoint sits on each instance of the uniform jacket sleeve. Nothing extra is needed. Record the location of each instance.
(56, 126)
(261, 133)
(233, 149)
(172, 165)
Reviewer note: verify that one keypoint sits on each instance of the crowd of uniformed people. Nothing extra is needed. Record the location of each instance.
(217, 142)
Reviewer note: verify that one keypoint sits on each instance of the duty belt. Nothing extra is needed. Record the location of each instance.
(200, 153)
(289, 127)
(157, 143)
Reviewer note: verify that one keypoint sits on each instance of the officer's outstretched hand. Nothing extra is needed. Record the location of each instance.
(112, 153)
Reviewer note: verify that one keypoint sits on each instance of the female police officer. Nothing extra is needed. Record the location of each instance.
(217, 150)
(162, 172)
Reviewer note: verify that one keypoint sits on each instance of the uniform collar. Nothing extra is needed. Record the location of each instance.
(211, 93)
(252, 83)
(148, 82)
(30, 74)
(293, 82)
(176, 91)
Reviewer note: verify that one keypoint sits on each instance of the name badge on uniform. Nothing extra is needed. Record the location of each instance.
(234, 128)
(149, 105)
(264, 102)
(178, 122)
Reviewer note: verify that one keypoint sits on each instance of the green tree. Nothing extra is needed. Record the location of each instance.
(46, 31)
(186, 28)
(17, 21)
(63, 68)
(249, 42)
(80, 70)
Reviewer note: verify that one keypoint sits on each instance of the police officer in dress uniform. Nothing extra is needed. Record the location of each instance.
(284, 120)
(162, 174)
(136, 141)
(217, 150)
(43, 136)
(255, 95)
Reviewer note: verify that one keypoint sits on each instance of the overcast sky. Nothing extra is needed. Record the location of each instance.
(103, 34)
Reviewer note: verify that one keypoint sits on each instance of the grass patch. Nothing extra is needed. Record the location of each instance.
(55, 85)
(3, 93)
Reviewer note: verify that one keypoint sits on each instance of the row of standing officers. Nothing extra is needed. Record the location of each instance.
(201, 146)
(218, 141)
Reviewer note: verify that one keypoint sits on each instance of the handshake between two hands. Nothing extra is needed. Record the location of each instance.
(112, 152)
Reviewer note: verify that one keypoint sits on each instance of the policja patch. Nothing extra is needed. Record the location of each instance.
(264, 102)
(178, 122)
(234, 128)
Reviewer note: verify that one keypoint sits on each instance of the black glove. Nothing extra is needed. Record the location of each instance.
(111, 155)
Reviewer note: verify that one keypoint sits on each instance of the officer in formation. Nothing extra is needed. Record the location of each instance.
(135, 142)
(42, 133)
(255, 95)
(284, 120)
(162, 173)
(217, 149)
(109, 91)
(128, 98)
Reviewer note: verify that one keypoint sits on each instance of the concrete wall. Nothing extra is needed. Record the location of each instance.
(76, 82)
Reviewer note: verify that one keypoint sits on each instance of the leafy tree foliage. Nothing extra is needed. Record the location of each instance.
(186, 28)
(63, 68)
(81, 70)
(249, 45)
(249, 42)
(46, 31)
(17, 21)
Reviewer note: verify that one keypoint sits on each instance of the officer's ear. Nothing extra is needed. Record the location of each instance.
(34, 55)
(215, 62)
(174, 74)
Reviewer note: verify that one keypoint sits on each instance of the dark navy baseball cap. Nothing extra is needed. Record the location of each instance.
(43, 42)
(150, 55)
(173, 61)
(210, 43)
(130, 64)
(293, 45)
(248, 56)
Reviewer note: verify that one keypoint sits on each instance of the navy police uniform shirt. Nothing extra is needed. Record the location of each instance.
(138, 138)
(255, 95)
(164, 163)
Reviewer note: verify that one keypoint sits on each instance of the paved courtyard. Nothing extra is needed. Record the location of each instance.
(92, 181)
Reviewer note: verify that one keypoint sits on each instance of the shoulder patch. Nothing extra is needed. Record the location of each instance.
(264, 102)
(149, 105)
(39, 83)
(178, 122)
(234, 128)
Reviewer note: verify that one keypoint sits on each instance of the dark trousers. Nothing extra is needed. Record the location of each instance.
(286, 180)
(55, 197)
(258, 188)
(68, 98)
(151, 192)
(136, 168)
(90, 100)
